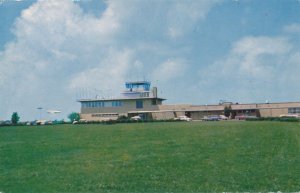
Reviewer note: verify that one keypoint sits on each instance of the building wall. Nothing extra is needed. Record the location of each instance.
(186, 107)
(98, 113)
(270, 112)
(197, 115)
(267, 109)
(163, 115)
(128, 105)
(179, 113)
(99, 116)
(279, 105)
(196, 112)
(276, 109)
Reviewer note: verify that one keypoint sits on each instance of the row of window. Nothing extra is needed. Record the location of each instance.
(105, 115)
(294, 110)
(247, 111)
(95, 104)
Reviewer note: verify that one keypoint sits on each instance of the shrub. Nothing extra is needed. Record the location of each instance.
(110, 122)
(122, 118)
(281, 119)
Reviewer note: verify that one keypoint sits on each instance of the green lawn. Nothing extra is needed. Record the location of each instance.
(151, 157)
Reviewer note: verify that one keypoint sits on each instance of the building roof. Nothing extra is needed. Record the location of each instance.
(217, 107)
(264, 105)
(187, 107)
(120, 99)
(138, 82)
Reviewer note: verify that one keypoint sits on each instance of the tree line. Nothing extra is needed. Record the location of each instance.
(15, 118)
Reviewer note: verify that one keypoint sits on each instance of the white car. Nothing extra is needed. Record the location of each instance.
(136, 118)
(223, 117)
(183, 118)
(290, 116)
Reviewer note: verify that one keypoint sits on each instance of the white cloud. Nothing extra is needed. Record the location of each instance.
(108, 75)
(170, 69)
(250, 52)
(254, 69)
(183, 15)
(54, 40)
(292, 28)
(172, 19)
(58, 47)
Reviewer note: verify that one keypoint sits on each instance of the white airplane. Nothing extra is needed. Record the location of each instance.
(53, 111)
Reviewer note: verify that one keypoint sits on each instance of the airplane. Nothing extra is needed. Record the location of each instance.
(53, 111)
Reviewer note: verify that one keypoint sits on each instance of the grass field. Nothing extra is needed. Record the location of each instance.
(151, 157)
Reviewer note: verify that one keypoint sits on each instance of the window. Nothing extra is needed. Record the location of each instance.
(116, 103)
(144, 94)
(295, 110)
(139, 104)
(154, 102)
(120, 103)
(105, 115)
(101, 104)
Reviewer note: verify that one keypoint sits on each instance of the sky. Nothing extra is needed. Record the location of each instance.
(53, 52)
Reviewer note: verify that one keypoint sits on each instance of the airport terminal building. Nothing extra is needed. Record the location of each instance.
(139, 98)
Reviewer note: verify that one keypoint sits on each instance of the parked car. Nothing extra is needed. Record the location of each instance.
(136, 118)
(33, 122)
(244, 117)
(83, 121)
(183, 118)
(41, 122)
(211, 118)
(223, 117)
(48, 123)
(289, 116)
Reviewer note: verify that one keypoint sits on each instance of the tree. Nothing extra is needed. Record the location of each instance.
(74, 116)
(227, 111)
(15, 118)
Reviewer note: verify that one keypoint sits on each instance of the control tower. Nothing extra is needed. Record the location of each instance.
(139, 89)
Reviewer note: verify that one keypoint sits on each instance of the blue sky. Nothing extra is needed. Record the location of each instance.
(195, 51)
